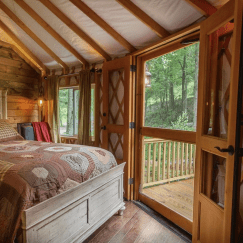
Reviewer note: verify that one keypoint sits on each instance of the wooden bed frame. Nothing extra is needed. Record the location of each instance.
(75, 214)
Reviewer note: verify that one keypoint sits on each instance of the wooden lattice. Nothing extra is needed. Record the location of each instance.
(115, 141)
(116, 97)
(224, 51)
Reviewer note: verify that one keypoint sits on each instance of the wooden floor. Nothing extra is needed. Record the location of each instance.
(134, 226)
(177, 196)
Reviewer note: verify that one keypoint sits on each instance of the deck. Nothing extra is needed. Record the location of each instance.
(177, 196)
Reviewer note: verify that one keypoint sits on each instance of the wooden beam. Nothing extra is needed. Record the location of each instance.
(146, 19)
(50, 30)
(32, 35)
(182, 34)
(36, 61)
(75, 28)
(106, 27)
(202, 6)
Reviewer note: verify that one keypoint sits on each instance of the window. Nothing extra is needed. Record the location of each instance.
(68, 111)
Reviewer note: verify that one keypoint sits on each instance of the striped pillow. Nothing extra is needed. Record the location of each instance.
(7, 132)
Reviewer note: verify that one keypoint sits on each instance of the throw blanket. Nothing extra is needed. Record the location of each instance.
(42, 131)
(31, 172)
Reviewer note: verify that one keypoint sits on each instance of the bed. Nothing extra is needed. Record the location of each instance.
(55, 192)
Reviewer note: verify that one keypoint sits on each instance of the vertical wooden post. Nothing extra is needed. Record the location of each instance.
(159, 159)
(143, 164)
(182, 158)
(164, 156)
(148, 163)
(173, 160)
(194, 159)
(178, 159)
(168, 160)
(186, 159)
(154, 159)
(190, 159)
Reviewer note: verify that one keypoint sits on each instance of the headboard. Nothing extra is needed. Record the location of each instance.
(3, 104)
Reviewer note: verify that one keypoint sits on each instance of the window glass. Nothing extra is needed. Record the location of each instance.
(69, 109)
(66, 110)
(171, 84)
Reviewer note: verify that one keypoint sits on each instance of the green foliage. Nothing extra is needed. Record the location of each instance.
(172, 97)
(182, 123)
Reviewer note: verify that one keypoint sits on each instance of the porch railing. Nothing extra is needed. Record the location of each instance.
(165, 161)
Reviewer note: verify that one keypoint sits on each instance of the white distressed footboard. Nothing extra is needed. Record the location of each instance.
(75, 214)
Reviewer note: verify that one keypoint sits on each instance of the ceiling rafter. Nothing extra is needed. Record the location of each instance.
(75, 28)
(203, 6)
(27, 53)
(21, 24)
(98, 20)
(146, 19)
(50, 30)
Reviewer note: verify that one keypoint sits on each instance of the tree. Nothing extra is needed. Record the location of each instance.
(173, 89)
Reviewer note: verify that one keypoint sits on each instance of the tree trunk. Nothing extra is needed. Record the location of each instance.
(171, 97)
(183, 69)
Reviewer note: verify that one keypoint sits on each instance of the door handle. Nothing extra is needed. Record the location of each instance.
(104, 127)
(230, 150)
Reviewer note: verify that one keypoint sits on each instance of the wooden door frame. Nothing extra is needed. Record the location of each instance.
(175, 135)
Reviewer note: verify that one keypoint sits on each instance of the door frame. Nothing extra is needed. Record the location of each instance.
(141, 131)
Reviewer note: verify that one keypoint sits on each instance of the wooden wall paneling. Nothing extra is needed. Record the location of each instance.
(22, 83)
(22, 50)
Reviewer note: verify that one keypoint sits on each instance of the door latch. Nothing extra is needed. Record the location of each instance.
(230, 150)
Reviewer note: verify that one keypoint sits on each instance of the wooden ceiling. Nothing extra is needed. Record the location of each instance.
(203, 6)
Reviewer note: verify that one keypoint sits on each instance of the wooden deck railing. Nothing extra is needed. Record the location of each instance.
(166, 161)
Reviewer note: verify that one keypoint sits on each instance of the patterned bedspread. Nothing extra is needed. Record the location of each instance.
(31, 172)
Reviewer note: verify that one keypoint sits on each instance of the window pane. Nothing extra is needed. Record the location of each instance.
(171, 90)
(66, 111)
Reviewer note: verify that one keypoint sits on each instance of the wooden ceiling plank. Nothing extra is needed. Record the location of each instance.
(50, 30)
(75, 28)
(99, 21)
(21, 24)
(146, 19)
(40, 65)
(202, 6)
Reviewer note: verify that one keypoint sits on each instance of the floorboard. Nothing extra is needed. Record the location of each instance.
(177, 196)
(136, 225)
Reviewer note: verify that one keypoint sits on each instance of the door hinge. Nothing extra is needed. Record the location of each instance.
(133, 68)
(132, 125)
(130, 181)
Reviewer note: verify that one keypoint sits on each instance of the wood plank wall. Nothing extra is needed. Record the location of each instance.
(22, 83)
